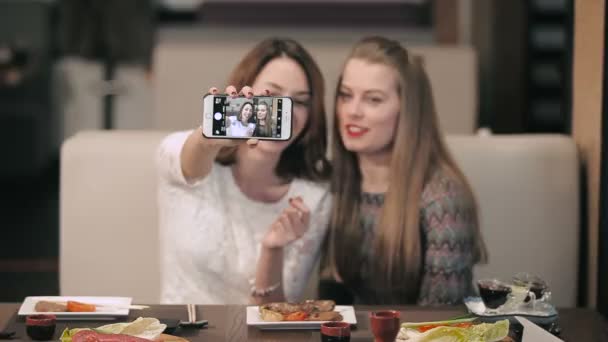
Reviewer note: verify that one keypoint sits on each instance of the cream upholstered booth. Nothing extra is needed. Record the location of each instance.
(526, 186)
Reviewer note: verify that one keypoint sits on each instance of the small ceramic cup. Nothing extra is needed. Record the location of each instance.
(335, 332)
(385, 325)
(40, 327)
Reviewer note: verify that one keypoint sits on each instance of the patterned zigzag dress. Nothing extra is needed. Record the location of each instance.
(447, 229)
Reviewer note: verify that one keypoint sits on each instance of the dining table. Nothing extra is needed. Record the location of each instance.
(229, 323)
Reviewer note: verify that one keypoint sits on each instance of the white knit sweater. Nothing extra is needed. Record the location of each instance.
(210, 233)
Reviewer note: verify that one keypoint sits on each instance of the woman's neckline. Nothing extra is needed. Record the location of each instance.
(237, 189)
(373, 193)
(374, 198)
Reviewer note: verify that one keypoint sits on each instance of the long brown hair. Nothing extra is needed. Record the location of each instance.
(239, 116)
(418, 153)
(305, 156)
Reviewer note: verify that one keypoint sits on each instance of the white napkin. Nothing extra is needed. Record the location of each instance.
(534, 333)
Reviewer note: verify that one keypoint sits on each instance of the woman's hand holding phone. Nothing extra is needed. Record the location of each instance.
(291, 225)
(231, 90)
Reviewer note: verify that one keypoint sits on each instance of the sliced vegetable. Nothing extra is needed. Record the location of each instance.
(74, 306)
(427, 327)
(438, 323)
(446, 334)
(296, 316)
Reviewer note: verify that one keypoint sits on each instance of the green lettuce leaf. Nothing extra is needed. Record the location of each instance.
(485, 332)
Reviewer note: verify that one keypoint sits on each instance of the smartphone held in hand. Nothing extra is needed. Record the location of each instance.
(259, 117)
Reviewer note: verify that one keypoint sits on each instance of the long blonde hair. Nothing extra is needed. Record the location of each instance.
(266, 129)
(419, 151)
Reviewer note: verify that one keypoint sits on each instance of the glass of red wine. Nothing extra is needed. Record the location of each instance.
(493, 293)
(537, 289)
(535, 284)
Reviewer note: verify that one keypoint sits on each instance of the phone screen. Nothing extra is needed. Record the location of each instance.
(259, 116)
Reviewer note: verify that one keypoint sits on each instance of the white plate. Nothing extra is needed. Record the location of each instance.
(254, 319)
(109, 307)
(534, 333)
(541, 309)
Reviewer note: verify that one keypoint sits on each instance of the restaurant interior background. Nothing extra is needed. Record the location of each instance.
(538, 68)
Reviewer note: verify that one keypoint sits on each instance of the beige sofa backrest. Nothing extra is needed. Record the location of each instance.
(108, 220)
(189, 61)
(527, 189)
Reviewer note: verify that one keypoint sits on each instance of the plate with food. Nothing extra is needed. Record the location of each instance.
(458, 330)
(309, 314)
(65, 307)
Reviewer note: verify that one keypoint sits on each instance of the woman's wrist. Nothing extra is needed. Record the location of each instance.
(263, 292)
(205, 143)
(272, 250)
(267, 280)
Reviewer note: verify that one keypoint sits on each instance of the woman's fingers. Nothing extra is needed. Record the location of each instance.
(231, 91)
(247, 91)
(299, 204)
(297, 221)
(294, 215)
(262, 92)
(291, 225)
(213, 91)
(287, 227)
(252, 142)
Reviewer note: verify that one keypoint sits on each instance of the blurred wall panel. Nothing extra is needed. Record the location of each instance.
(602, 295)
(190, 60)
(328, 13)
(586, 117)
(446, 21)
(498, 37)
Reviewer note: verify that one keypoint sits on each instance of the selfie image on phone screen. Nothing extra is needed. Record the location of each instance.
(259, 117)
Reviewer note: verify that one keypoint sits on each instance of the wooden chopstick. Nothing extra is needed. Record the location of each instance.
(191, 313)
(130, 307)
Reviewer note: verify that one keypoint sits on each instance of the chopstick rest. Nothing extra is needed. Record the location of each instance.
(196, 324)
(192, 322)
(7, 335)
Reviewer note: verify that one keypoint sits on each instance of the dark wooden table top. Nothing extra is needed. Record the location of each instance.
(228, 323)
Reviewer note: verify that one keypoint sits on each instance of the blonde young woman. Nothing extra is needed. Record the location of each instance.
(404, 224)
(263, 120)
